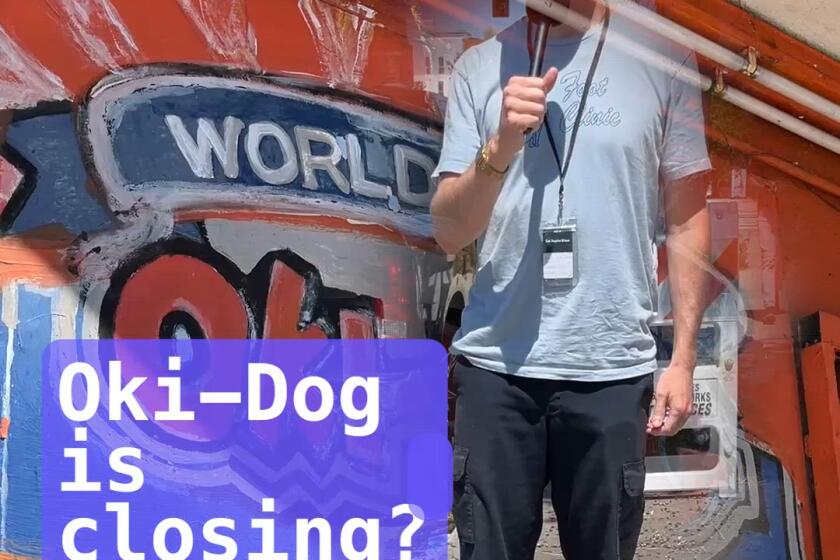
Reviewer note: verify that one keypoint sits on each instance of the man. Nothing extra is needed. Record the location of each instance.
(554, 378)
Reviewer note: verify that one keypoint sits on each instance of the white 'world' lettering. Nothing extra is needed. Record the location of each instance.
(299, 159)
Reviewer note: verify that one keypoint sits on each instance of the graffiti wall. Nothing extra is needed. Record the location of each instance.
(261, 169)
(219, 170)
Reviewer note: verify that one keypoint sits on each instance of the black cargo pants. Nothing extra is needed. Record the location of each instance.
(514, 435)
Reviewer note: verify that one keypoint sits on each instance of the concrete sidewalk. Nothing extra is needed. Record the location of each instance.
(548, 547)
(666, 534)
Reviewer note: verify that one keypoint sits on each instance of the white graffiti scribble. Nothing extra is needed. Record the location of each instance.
(23, 80)
(225, 27)
(98, 30)
(10, 178)
(342, 39)
(97, 256)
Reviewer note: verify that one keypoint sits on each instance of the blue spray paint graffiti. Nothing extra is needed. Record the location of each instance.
(771, 542)
(56, 181)
(31, 333)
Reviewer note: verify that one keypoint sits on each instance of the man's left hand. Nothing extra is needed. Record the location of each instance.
(674, 399)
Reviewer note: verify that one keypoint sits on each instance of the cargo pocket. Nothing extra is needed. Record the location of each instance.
(462, 505)
(631, 507)
(634, 478)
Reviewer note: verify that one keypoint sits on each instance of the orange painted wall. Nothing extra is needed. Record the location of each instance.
(789, 266)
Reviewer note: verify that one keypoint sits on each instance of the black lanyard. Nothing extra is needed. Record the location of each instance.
(564, 168)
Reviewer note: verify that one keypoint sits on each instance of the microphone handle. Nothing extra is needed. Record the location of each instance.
(539, 48)
(539, 52)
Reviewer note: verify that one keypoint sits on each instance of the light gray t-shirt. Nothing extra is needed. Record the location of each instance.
(642, 127)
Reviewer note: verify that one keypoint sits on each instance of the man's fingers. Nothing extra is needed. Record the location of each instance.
(526, 122)
(673, 423)
(527, 82)
(657, 417)
(535, 94)
(546, 83)
(550, 79)
(671, 427)
(522, 107)
(678, 415)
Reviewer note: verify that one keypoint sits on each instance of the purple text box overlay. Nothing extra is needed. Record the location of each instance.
(266, 450)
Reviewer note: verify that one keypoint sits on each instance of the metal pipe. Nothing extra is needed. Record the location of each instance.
(782, 119)
(731, 60)
(739, 99)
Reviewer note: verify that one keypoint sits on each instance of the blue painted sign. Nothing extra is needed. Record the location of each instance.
(194, 138)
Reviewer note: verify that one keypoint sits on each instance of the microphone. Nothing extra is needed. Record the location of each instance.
(538, 47)
(543, 26)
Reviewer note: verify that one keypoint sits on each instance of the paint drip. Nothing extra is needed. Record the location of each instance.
(225, 28)
(23, 80)
(342, 39)
(99, 31)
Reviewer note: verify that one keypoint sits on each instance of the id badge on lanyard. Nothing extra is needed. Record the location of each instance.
(560, 265)
(559, 241)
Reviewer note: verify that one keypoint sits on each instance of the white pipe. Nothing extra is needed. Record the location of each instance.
(737, 98)
(721, 55)
(782, 119)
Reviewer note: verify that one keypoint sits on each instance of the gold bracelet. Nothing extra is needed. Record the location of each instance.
(482, 163)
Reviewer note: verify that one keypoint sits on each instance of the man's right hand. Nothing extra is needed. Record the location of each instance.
(523, 109)
(463, 204)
